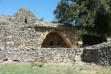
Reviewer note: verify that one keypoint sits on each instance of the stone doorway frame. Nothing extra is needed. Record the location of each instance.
(60, 35)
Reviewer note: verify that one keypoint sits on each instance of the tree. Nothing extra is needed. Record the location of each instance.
(60, 11)
(91, 15)
(41, 19)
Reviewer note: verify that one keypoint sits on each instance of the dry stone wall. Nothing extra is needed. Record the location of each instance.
(29, 37)
(99, 54)
(44, 55)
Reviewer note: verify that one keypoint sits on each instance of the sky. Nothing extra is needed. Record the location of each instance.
(41, 8)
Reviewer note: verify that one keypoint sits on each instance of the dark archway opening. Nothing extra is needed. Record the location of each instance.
(51, 43)
(54, 40)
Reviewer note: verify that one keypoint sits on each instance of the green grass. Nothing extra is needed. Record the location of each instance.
(27, 69)
(106, 67)
(52, 69)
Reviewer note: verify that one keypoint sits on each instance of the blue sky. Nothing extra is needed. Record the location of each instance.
(41, 8)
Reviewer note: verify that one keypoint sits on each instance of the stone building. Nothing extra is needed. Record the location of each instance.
(24, 38)
(24, 30)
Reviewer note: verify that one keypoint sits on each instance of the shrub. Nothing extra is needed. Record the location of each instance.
(81, 69)
(33, 64)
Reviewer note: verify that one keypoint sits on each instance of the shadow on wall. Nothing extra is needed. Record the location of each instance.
(100, 56)
(92, 39)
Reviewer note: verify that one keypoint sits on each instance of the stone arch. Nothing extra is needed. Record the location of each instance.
(55, 40)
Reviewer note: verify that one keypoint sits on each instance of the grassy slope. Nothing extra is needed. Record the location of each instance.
(53, 69)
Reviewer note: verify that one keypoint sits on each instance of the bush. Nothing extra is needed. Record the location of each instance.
(33, 64)
(81, 69)
(80, 33)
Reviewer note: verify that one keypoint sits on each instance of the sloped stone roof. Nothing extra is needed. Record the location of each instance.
(23, 13)
(4, 18)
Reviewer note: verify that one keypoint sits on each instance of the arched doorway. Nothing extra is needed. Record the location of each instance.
(54, 40)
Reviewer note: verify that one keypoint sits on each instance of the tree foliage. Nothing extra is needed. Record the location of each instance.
(41, 19)
(92, 15)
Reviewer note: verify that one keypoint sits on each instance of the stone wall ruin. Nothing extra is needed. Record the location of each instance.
(23, 38)
(24, 30)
